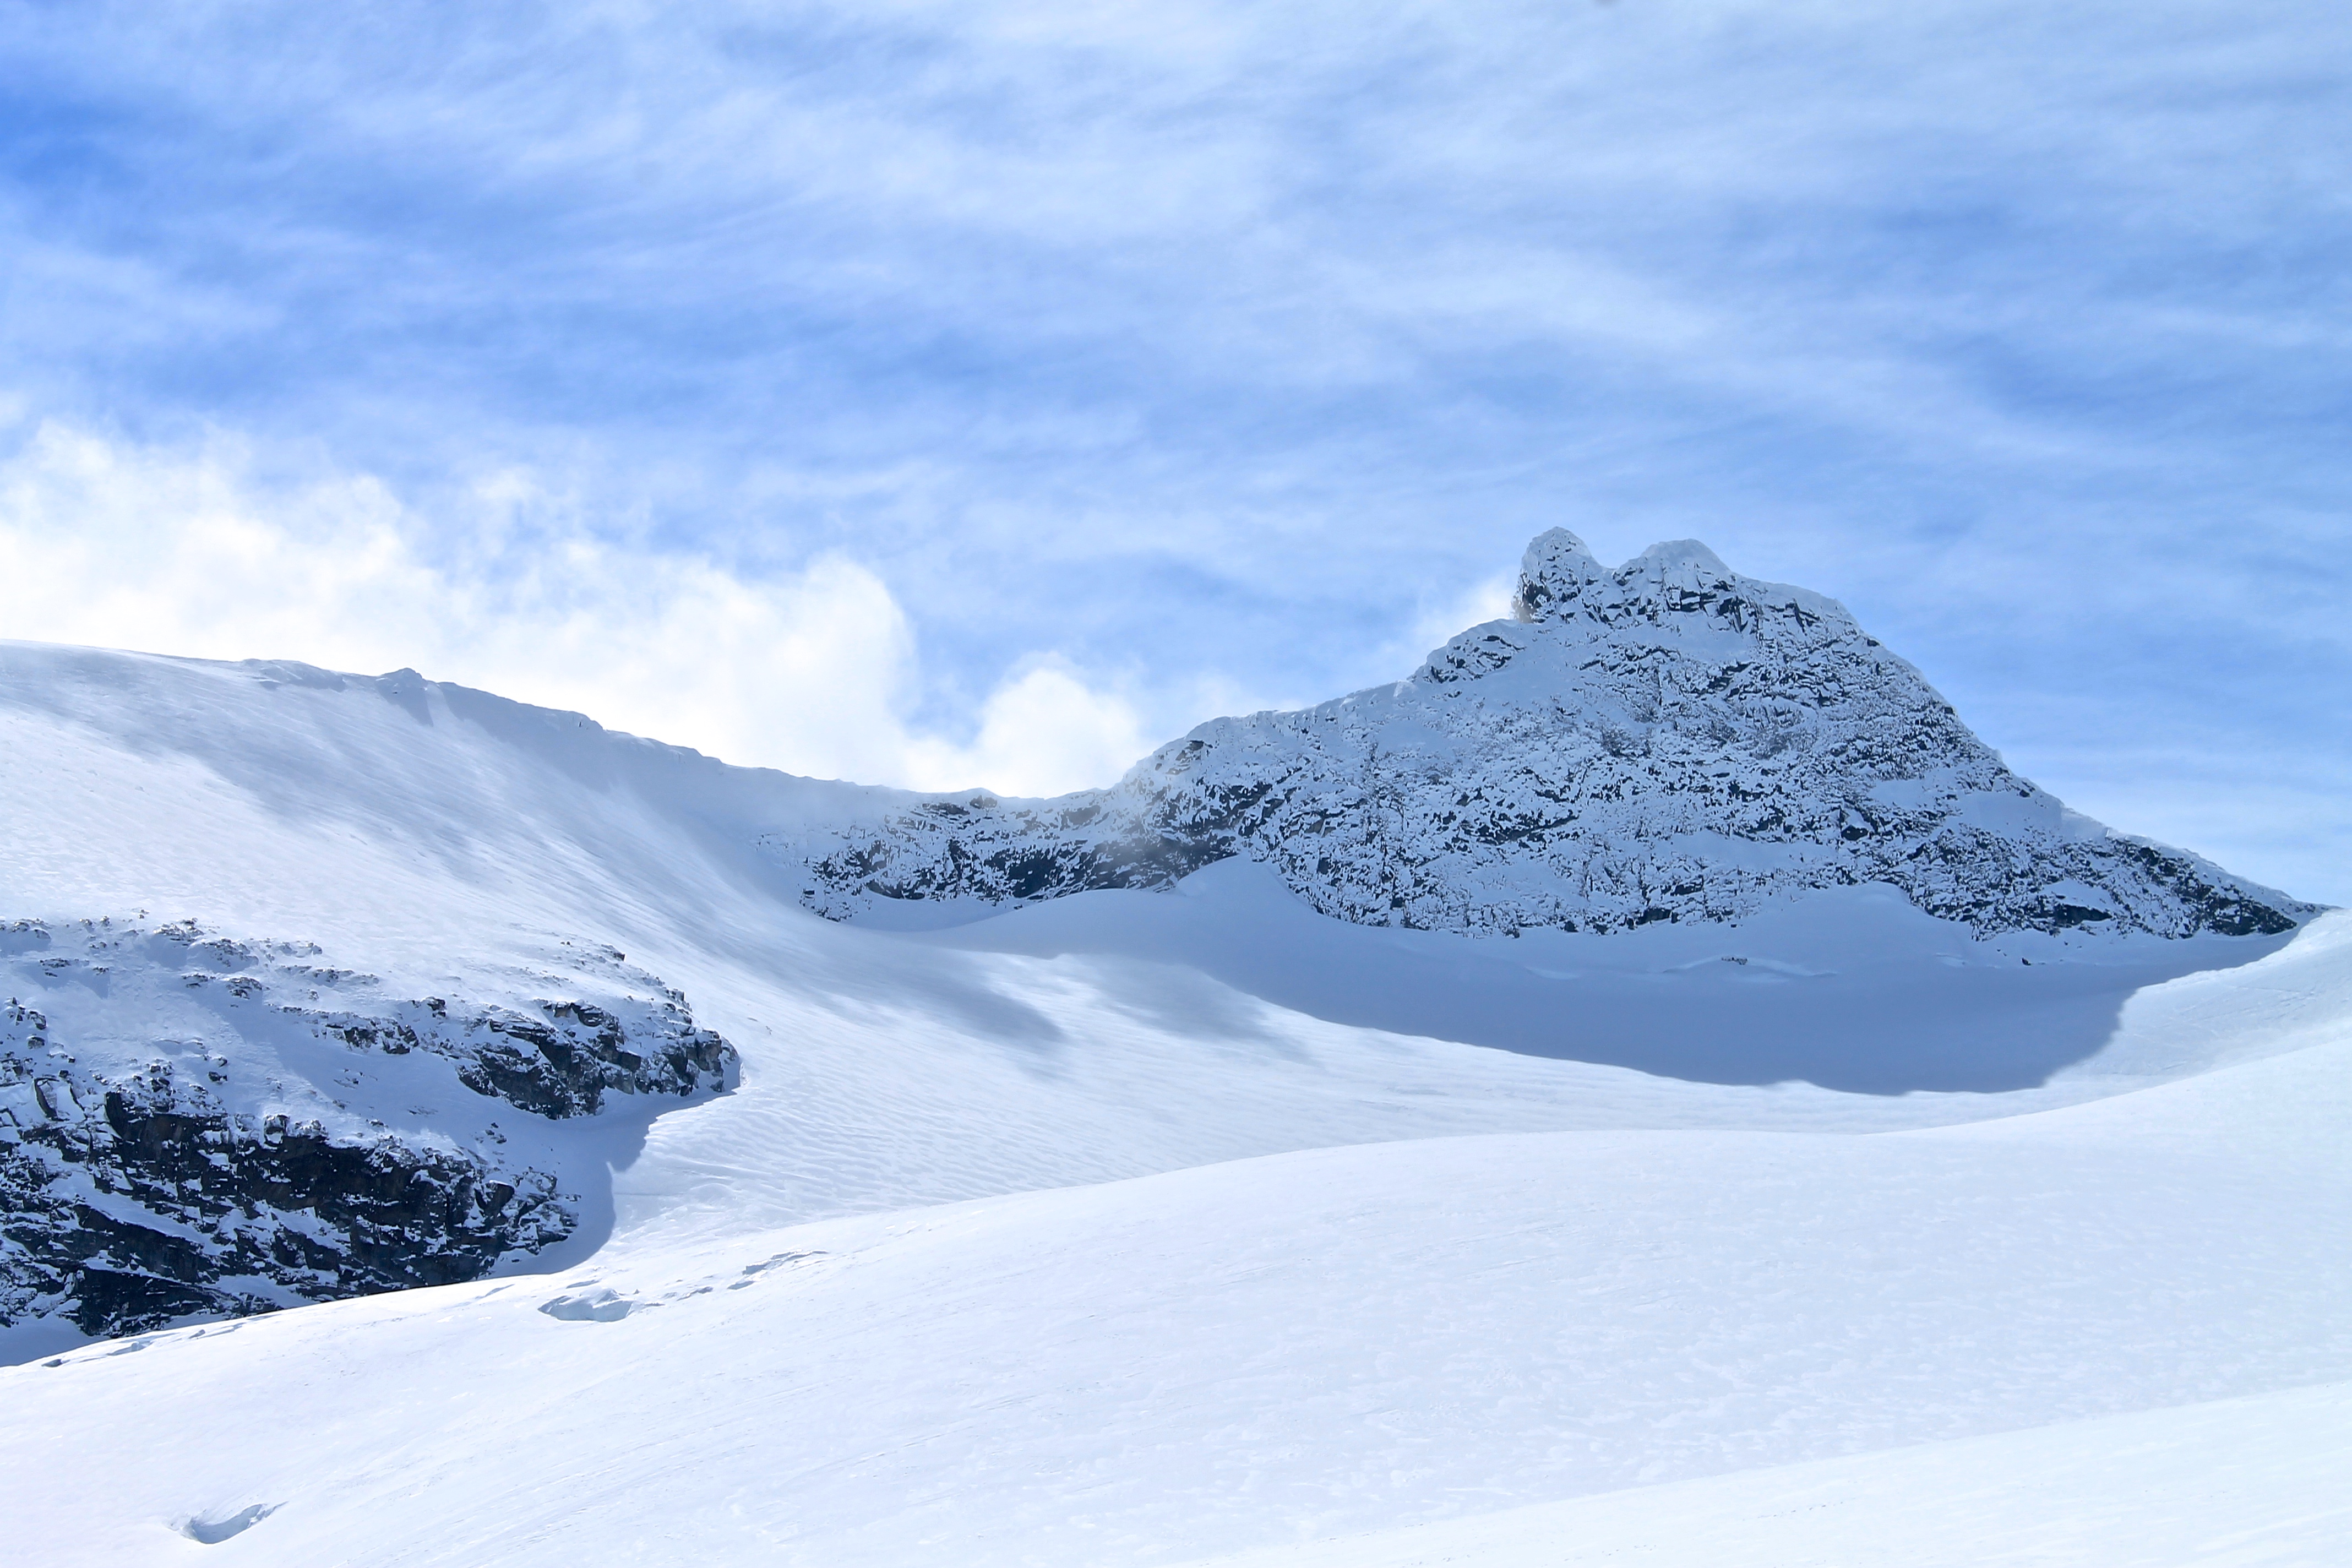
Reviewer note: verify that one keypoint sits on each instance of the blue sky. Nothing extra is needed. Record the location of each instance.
(939, 393)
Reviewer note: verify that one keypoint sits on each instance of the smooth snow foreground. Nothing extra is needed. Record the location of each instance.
(1159, 1234)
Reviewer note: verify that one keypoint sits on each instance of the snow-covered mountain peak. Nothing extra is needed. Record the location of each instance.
(1663, 741)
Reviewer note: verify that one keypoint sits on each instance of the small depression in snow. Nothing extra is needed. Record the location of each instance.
(1749, 968)
(751, 1271)
(211, 1529)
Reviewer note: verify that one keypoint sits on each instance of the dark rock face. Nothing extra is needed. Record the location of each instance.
(198, 1136)
(1668, 740)
(983, 850)
(561, 1063)
(163, 1206)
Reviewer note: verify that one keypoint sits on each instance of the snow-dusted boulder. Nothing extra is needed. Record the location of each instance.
(1666, 741)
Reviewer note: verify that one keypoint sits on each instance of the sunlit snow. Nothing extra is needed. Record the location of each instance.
(1194, 1226)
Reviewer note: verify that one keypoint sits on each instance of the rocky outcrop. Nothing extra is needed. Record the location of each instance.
(1666, 741)
(561, 1062)
(192, 1125)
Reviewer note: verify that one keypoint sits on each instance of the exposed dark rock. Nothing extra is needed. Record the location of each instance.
(136, 1192)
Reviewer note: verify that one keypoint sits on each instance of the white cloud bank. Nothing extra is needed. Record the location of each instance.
(185, 550)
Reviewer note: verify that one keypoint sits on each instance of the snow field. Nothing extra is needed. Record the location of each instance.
(1260, 1353)
(1097, 1235)
(2230, 1484)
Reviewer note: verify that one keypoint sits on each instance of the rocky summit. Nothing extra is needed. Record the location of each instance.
(1663, 741)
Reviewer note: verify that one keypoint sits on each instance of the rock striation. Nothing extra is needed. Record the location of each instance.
(1663, 741)
(197, 1126)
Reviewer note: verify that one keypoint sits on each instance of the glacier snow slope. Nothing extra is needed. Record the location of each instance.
(1272, 1351)
(2251, 1480)
(1244, 1259)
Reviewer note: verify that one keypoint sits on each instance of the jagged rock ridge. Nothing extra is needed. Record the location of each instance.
(1666, 741)
(192, 1125)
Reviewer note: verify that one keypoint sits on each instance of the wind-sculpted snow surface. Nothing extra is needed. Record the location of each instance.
(1249, 1356)
(1649, 1241)
(1668, 740)
(192, 1125)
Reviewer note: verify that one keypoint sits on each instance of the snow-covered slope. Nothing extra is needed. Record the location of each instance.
(1666, 741)
(1261, 1226)
(1266, 1353)
(2258, 1480)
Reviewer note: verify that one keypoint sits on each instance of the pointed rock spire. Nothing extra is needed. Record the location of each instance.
(1553, 575)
